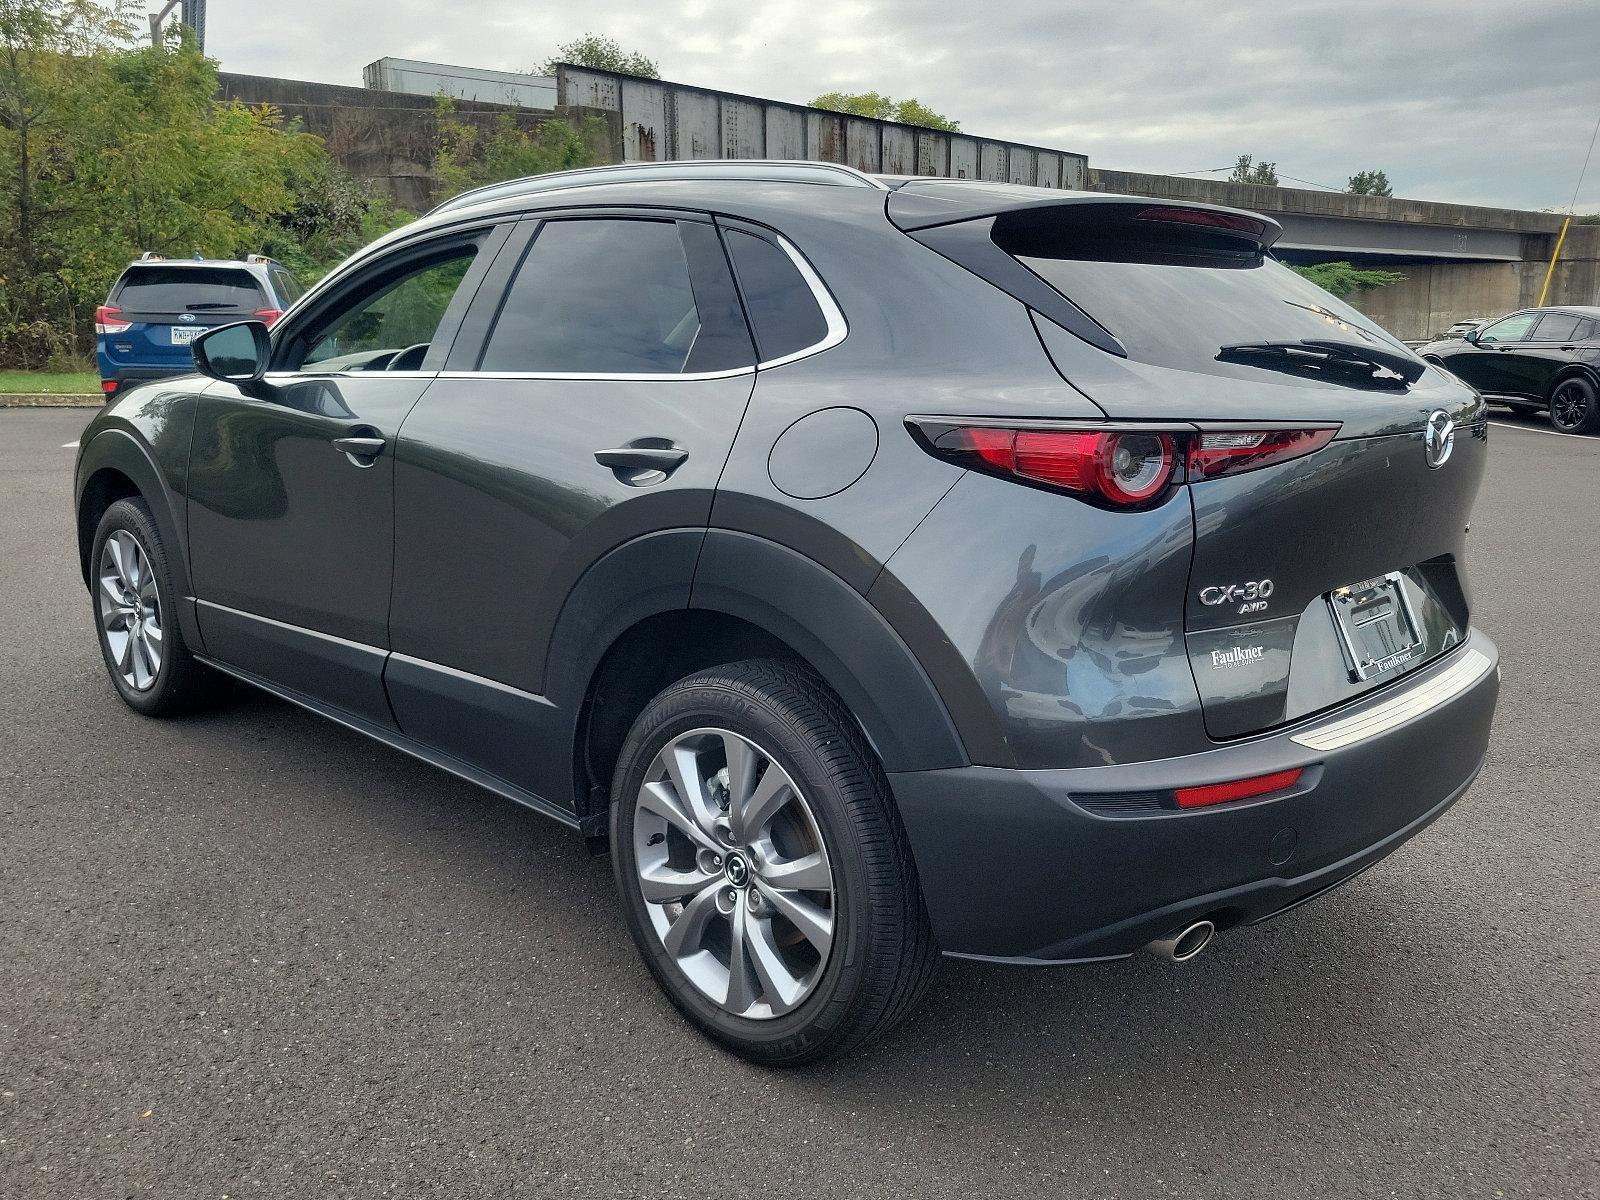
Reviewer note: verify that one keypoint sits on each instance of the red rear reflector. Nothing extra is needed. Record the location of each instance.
(268, 315)
(1237, 789)
(106, 320)
(1202, 216)
(108, 386)
(1229, 451)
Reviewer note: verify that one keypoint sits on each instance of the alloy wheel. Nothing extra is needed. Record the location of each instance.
(130, 610)
(1570, 405)
(734, 873)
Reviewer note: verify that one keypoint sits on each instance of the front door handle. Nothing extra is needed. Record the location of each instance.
(360, 450)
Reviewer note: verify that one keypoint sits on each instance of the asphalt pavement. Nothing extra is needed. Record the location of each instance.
(252, 954)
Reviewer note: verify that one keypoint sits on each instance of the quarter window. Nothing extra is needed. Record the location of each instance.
(782, 309)
(1512, 329)
(606, 297)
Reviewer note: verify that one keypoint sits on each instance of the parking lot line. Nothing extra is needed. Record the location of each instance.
(1530, 429)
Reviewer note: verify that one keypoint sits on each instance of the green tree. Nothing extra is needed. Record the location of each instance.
(885, 108)
(1248, 170)
(1342, 278)
(1370, 183)
(603, 53)
(468, 156)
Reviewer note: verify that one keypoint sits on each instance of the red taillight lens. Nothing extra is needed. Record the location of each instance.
(1114, 468)
(268, 315)
(108, 320)
(1228, 452)
(1236, 789)
(108, 386)
(1123, 468)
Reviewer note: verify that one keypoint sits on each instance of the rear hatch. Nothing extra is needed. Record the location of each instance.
(167, 304)
(1313, 579)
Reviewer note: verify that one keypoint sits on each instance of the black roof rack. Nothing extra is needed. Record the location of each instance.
(748, 169)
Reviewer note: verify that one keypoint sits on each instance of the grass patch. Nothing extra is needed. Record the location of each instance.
(23, 383)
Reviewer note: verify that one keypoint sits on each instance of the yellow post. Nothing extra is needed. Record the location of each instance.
(1554, 254)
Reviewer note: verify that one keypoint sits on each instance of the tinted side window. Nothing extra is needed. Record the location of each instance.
(1584, 332)
(781, 307)
(607, 297)
(288, 286)
(1556, 327)
(1512, 329)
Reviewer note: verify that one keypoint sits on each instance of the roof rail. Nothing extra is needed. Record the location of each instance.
(768, 170)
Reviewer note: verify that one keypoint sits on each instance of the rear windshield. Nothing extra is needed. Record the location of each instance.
(187, 289)
(1176, 301)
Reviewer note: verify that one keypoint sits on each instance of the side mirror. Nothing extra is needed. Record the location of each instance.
(236, 354)
(1471, 335)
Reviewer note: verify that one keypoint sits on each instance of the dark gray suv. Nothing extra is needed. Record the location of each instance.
(880, 568)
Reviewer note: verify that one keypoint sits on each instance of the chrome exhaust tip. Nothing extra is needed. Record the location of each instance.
(1185, 943)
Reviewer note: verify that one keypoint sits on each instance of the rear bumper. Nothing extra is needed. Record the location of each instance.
(126, 377)
(1014, 867)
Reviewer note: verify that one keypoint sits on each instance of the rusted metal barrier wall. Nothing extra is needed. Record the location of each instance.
(663, 122)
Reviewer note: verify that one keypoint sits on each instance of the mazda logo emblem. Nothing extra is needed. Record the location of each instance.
(1438, 438)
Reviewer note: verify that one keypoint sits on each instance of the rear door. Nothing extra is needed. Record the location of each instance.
(1551, 345)
(591, 399)
(168, 304)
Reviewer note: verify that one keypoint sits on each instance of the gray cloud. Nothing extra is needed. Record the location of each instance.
(1472, 101)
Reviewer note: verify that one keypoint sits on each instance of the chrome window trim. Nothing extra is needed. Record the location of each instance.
(620, 377)
(838, 328)
(1472, 666)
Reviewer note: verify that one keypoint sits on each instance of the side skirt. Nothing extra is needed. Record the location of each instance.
(406, 745)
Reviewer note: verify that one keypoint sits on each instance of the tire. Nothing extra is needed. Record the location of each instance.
(1575, 405)
(136, 617)
(793, 1003)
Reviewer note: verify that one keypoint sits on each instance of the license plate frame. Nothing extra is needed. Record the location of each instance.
(1378, 629)
(184, 335)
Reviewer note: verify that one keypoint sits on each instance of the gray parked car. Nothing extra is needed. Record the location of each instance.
(878, 568)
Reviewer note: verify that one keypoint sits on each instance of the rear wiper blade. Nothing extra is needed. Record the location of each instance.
(1315, 353)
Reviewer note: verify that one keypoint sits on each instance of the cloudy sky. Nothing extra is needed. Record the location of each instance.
(1474, 101)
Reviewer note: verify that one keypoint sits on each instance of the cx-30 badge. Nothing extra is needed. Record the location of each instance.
(1250, 597)
(1438, 438)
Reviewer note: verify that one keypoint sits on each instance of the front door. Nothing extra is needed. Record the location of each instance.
(291, 482)
(598, 405)
(1487, 364)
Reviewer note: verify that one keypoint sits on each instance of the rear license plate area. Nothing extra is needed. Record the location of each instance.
(182, 335)
(1378, 631)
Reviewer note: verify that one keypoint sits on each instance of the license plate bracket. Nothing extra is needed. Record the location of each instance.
(1378, 629)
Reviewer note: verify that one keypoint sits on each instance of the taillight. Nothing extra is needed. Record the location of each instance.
(108, 386)
(106, 320)
(1236, 789)
(1120, 468)
(1230, 451)
(1126, 467)
(268, 315)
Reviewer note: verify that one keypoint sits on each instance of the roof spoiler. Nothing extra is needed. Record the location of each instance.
(925, 204)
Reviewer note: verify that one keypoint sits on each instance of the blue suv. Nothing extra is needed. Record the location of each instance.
(159, 306)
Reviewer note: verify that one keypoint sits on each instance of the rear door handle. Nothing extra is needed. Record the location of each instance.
(361, 448)
(665, 459)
